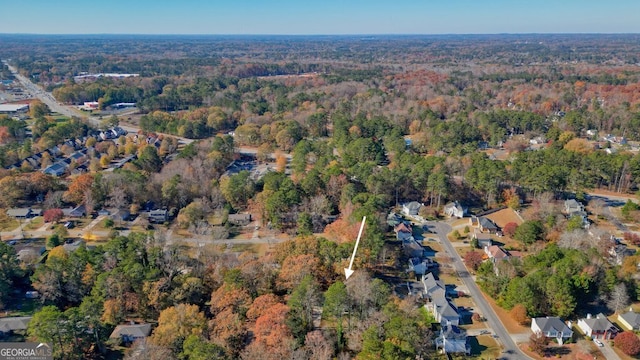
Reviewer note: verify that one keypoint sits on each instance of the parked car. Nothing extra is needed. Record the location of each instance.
(69, 225)
(598, 342)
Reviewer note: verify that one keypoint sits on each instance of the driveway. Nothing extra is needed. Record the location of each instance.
(511, 350)
(608, 352)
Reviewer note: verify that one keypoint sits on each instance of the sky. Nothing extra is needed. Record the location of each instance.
(326, 17)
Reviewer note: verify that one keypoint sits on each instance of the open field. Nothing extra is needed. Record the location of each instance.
(504, 216)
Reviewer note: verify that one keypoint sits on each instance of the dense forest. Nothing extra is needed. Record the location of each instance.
(352, 126)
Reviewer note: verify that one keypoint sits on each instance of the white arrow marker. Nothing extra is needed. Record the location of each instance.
(347, 271)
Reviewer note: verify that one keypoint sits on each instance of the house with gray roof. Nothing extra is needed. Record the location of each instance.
(433, 288)
(130, 333)
(630, 320)
(10, 324)
(19, 213)
(552, 327)
(484, 224)
(454, 209)
(411, 208)
(444, 311)
(453, 340)
(57, 169)
(598, 327)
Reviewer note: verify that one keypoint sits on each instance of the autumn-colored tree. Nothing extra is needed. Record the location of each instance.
(176, 323)
(628, 342)
(509, 229)
(519, 314)
(230, 297)
(228, 330)
(53, 215)
(261, 304)
(57, 252)
(580, 146)
(511, 198)
(295, 268)
(272, 332)
(78, 187)
(538, 343)
(473, 259)
(341, 231)
(281, 162)
(113, 312)
(10, 192)
(5, 135)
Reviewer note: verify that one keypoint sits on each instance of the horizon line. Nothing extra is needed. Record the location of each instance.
(341, 34)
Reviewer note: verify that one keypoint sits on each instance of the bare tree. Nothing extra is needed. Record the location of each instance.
(117, 198)
(597, 205)
(619, 298)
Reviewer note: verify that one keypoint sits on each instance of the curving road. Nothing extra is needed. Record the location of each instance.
(510, 350)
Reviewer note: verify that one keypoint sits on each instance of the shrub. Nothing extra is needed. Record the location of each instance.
(628, 343)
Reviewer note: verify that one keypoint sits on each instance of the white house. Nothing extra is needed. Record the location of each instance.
(597, 328)
(453, 340)
(412, 208)
(455, 209)
(551, 327)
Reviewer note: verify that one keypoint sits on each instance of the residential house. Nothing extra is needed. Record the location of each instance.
(411, 248)
(411, 209)
(574, 208)
(403, 231)
(433, 288)
(239, 219)
(78, 211)
(618, 252)
(455, 209)
(552, 327)
(630, 320)
(421, 266)
(453, 340)
(484, 240)
(104, 212)
(57, 169)
(78, 157)
(597, 328)
(495, 253)
(486, 225)
(444, 311)
(20, 213)
(394, 219)
(158, 216)
(130, 333)
(120, 215)
(10, 324)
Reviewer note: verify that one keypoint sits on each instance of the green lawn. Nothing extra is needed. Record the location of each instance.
(35, 223)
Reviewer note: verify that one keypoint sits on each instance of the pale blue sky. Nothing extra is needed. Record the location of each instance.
(319, 17)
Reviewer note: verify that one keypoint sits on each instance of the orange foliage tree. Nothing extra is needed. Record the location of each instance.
(78, 188)
(295, 268)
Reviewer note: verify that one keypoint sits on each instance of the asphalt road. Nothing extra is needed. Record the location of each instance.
(608, 352)
(510, 349)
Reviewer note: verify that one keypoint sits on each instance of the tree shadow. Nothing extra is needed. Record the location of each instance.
(476, 347)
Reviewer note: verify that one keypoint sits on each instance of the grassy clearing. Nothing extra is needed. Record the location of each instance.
(35, 223)
(485, 347)
(8, 224)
